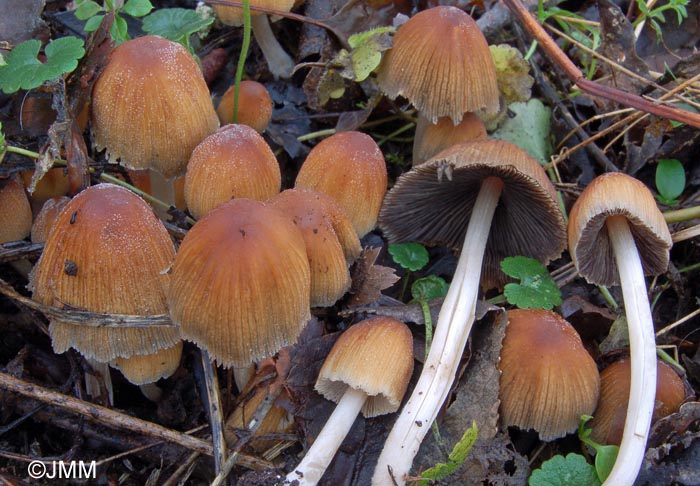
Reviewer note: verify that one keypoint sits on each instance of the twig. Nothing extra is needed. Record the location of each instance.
(680, 321)
(18, 250)
(214, 410)
(185, 469)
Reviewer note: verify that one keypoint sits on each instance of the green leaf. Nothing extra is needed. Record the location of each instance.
(366, 53)
(670, 180)
(119, 30)
(456, 458)
(176, 24)
(87, 10)
(605, 455)
(137, 8)
(25, 71)
(93, 24)
(428, 288)
(2, 61)
(529, 129)
(411, 256)
(572, 470)
(536, 290)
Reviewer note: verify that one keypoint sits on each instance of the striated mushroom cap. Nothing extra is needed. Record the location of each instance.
(349, 167)
(234, 15)
(254, 106)
(240, 283)
(548, 379)
(431, 139)
(46, 218)
(107, 252)
(432, 203)
(608, 195)
(440, 61)
(151, 106)
(15, 211)
(234, 162)
(375, 356)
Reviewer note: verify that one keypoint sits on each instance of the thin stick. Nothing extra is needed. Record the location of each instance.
(214, 409)
(686, 234)
(680, 321)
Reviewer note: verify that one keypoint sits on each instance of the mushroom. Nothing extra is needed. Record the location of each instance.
(15, 211)
(430, 139)
(481, 187)
(150, 108)
(233, 162)
(349, 167)
(609, 418)
(367, 370)
(46, 218)
(254, 106)
(548, 379)
(281, 65)
(618, 235)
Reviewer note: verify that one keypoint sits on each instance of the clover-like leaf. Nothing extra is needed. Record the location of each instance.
(456, 458)
(94, 23)
(87, 9)
(25, 71)
(536, 290)
(429, 288)
(411, 256)
(137, 8)
(572, 470)
(176, 24)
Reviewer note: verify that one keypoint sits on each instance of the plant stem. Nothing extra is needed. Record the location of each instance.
(320, 133)
(677, 215)
(242, 57)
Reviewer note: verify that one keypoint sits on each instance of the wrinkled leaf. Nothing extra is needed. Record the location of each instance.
(572, 470)
(456, 458)
(529, 129)
(429, 288)
(411, 256)
(536, 290)
(176, 24)
(368, 279)
(514, 82)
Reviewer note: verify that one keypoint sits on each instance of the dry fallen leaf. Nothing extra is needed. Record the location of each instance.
(368, 279)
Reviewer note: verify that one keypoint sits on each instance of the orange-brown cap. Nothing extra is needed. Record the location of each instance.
(151, 106)
(320, 217)
(609, 418)
(432, 139)
(46, 218)
(548, 379)
(148, 368)
(240, 283)
(15, 211)
(432, 203)
(234, 162)
(107, 252)
(254, 106)
(54, 183)
(374, 356)
(349, 167)
(441, 63)
(234, 15)
(608, 195)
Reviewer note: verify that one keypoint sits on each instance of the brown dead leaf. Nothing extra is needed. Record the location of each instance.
(368, 279)
(674, 425)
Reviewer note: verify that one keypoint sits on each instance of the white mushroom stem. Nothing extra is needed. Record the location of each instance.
(451, 333)
(322, 451)
(642, 354)
(279, 62)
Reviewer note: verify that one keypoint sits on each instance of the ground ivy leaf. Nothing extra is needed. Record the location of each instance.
(175, 24)
(137, 8)
(572, 470)
(429, 288)
(536, 290)
(87, 9)
(25, 71)
(411, 256)
(456, 458)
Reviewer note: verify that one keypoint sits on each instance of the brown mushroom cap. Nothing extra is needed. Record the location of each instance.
(609, 418)
(320, 217)
(375, 356)
(548, 379)
(240, 283)
(432, 139)
(151, 106)
(441, 63)
(608, 195)
(149, 368)
(233, 162)
(349, 167)
(46, 218)
(54, 183)
(15, 212)
(254, 105)
(107, 252)
(432, 203)
(234, 15)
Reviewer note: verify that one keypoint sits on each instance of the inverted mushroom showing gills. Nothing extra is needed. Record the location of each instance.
(488, 187)
(618, 235)
(367, 370)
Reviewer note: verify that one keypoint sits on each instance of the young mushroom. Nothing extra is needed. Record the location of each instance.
(254, 106)
(618, 235)
(367, 370)
(503, 200)
(15, 211)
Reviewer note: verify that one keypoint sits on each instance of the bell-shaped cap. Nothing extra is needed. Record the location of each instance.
(254, 105)
(46, 218)
(151, 106)
(233, 162)
(548, 379)
(374, 356)
(107, 252)
(440, 61)
(432, 203)
(240, 283)
(616, 194)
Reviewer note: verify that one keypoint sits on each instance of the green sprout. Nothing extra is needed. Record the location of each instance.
(605, 455)
(455, 459)
(670, 181)
(656, 14)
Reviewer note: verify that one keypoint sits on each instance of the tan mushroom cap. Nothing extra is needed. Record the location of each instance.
(320, 218)
(432, 203)
(46, 218)
(234, 15)
(433, 138)
(349, 167)
(149, 368)
(240, 283)
(254, 105)
(375, 356)
(608, 420)
(548, 379)
(233, 162)
(608, 195)
(441, 63)
(15, 212)
(151, 106)
(107, 252)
